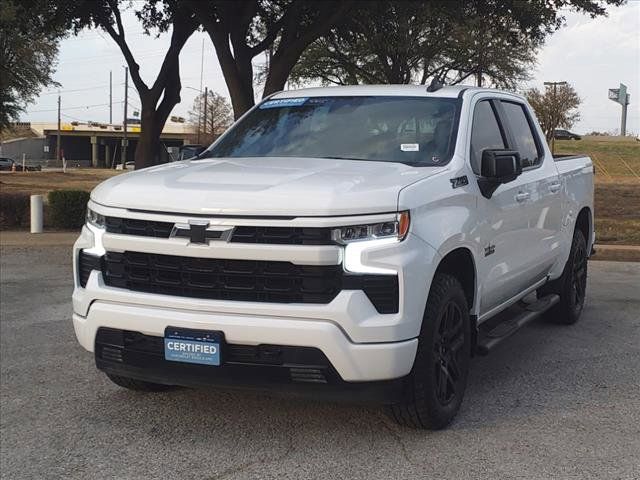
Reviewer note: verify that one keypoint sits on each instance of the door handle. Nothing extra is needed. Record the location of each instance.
(522, 196)
(554, 187)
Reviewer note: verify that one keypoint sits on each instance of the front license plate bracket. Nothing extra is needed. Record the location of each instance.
(185, 345)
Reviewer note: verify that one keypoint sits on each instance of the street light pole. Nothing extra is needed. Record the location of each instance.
(124, 123)
(58, 133)
(555, 93)
(110, 97)
(206, 106)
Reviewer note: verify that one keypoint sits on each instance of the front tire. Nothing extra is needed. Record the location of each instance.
(433, 390)
(138, 385)
(571, 286)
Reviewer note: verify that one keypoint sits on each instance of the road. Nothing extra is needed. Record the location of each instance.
(553, 402)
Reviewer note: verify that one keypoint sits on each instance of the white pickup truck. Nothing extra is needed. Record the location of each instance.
(361, 242)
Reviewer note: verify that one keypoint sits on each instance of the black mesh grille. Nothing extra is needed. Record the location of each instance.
(243, 280)
(143, 228)
(382, 290)
(87, 263)
(282, 235)
(241, 234)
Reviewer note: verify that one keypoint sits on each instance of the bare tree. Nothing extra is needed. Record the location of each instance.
(211, 119)
(157, 99)
(556, 107)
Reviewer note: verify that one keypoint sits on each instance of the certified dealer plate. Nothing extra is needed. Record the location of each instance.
(192, 346)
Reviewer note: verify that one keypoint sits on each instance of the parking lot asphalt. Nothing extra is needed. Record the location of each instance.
(553, 402)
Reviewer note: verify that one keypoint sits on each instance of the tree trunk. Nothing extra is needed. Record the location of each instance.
(239, 79)
(279, 70)
(148, 148)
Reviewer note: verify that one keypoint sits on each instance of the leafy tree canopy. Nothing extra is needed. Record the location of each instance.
(29, 34)
(243, 29)
(399, 41)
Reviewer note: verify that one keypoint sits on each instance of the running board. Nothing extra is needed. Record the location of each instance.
(492, 332)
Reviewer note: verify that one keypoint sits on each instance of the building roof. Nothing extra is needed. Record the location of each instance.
(43, 128)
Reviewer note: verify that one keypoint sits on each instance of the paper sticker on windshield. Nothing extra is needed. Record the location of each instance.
(410, 147)
(283, 102)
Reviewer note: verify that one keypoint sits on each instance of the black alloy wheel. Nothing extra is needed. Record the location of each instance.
(447, 350)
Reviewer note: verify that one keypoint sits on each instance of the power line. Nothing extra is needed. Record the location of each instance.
(145, 54)
(73, 108)
(74, 90)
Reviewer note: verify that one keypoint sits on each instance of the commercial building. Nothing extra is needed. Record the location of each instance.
(88, 144)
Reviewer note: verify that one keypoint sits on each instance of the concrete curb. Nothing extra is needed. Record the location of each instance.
(47, 239)
(618, 253)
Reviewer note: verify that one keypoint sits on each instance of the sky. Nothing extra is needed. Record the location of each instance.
(593, 55)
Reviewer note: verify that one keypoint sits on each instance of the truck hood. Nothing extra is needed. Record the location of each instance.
(273, 186)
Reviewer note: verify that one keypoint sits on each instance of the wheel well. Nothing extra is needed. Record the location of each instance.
(583, 223)
(459, 263)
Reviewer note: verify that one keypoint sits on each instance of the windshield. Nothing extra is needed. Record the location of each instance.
(411, 130)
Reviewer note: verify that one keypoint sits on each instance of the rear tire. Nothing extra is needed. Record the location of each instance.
(433, 390)
(571, 286)
(138, 385)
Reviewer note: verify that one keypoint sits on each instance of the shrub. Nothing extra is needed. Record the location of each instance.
(14, 210)
(67, 208)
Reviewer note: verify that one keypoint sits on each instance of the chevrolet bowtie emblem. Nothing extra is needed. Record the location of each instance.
(200, 232)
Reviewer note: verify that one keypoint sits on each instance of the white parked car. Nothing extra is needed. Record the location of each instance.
(360, 241)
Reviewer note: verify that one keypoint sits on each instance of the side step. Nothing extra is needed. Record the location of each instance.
(492, 332)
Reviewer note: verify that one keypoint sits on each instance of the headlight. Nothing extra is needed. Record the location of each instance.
(95, 219)
(397, 229)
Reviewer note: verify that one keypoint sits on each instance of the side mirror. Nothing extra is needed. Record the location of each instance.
(498, 167)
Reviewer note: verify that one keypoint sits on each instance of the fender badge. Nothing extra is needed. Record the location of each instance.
(459, 181)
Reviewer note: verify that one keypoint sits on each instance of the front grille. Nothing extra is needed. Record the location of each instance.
(243, 280)
(282, 235)
(87, 263)
(241, 234)
(142, 228)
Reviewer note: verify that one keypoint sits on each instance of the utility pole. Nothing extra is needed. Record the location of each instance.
(200, 94)
(125, 141)
(555, 94)
(58, 134)
(206, 107)
(110, 97)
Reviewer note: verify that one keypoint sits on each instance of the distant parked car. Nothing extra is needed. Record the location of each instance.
(565, 135)
(128, 165)
(7, 164)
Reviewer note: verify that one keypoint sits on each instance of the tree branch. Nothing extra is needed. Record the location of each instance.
(119, 38)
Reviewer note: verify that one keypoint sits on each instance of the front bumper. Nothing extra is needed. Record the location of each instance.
(352, 361)
(301, 371)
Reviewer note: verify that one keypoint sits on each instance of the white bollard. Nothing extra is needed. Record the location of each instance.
(36, 213)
